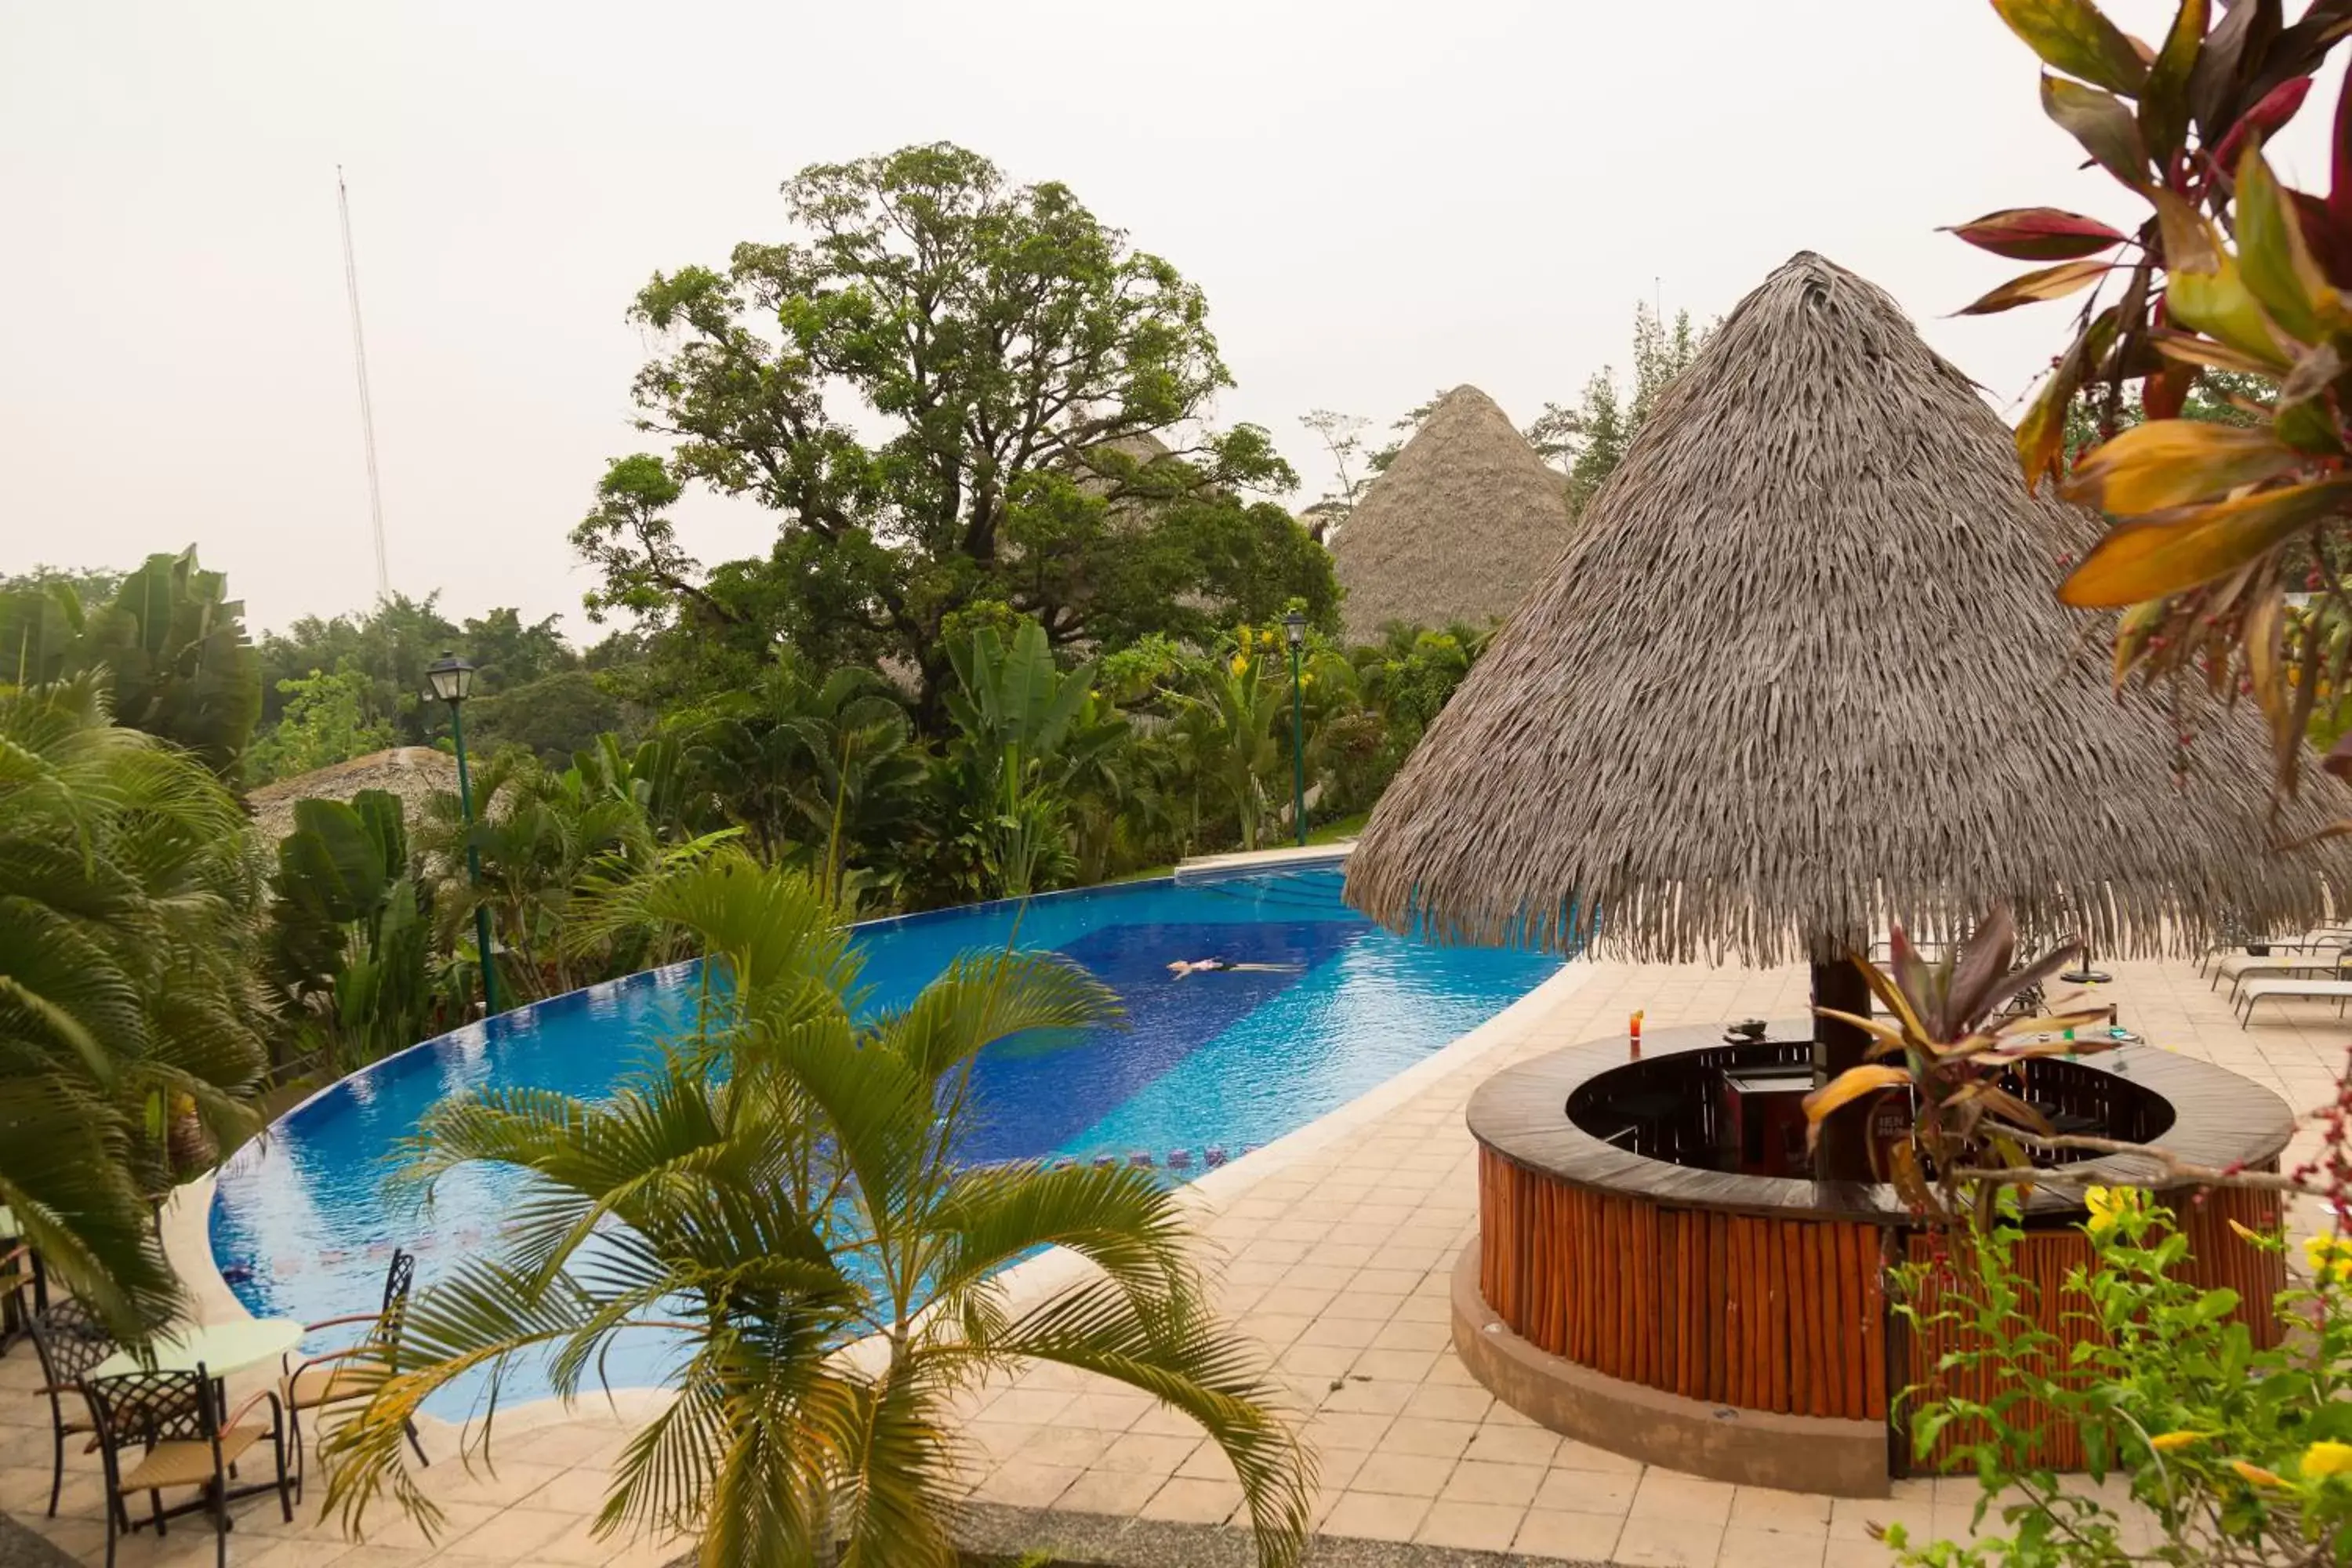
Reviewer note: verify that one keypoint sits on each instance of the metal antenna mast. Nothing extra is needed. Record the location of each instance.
(367, 404)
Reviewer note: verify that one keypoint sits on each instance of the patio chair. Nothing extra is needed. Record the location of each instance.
(329, 1378)
(160, 1430)
(2285, 958)
(70, 1340)
(2337, 991)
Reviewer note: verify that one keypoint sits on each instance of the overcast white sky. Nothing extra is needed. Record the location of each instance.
(1380, 199)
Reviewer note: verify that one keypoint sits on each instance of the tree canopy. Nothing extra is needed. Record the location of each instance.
(954, 391)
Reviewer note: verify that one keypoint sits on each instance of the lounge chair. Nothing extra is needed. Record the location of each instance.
(2337, 991)
(2240, 967)
(2316, 938)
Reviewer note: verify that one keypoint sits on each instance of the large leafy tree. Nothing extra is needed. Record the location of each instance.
(950, 389)
(785, 1185)
(126, 899)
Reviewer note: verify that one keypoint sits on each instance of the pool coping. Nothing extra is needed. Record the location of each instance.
(186, 1227)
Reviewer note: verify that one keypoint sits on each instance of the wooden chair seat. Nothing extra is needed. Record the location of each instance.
(315, 1386)
(188, 1463)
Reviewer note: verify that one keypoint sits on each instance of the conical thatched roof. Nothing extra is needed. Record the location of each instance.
(1455, 529)
(1801, 668)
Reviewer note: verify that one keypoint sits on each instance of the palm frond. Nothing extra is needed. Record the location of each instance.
(1174, 1351)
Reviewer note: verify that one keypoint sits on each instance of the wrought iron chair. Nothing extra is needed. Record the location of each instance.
(24, 1289)
(330, 1377)
(164, 1429)
(70, 1340)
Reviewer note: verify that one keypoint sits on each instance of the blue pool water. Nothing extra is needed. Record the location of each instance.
(302, 1219)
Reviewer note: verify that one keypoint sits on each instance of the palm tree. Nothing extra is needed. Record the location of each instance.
(790, 1206)
(126, 894)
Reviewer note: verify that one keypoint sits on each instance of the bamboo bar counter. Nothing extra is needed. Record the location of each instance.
(1626, 1291)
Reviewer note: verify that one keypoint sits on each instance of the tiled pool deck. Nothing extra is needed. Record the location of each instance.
(1336, 1249)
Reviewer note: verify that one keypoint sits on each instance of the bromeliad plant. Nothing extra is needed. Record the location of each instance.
(1943, 1044)
(2231, 271)
(783, 1196)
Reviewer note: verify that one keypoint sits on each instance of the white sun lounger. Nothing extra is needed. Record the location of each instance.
(2241, 967)
(2337, 991)
(2315, 940)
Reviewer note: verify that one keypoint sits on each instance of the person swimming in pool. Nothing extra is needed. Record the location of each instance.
(1184, 967)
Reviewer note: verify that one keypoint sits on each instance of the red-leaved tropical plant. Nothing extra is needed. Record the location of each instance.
(2212, 524)
(1945, 1040)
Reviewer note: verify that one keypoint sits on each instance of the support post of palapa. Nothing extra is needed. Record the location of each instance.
(1843, 1153)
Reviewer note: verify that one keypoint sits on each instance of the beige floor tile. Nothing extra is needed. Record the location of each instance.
(1655, 1542)
(574, 1491)
(1375, 1516)
(1576, 1455)
(1187, 1501)
(1470, 1526)
(1770, 1549)
(1480, 1480)
(1670, 1494)
(499, 1481)
(1110, 1491)
(1587, 1491)
(1393, 1366)
(1140, 1453)
(514, 1533)
(1763, 1507)
(1513, 1444)
(1580, 1537)
(1030, 1407)
(1435, 1440)
(1446, 1403)
(1333, 1429)
(1401, 1475)
(1017, 1483)
(1349, 1333)
(1107, 1412)
(1851, 1518)
(1066, 1448)
(386, 1526)
(1856, 1554)
(1369, 1396)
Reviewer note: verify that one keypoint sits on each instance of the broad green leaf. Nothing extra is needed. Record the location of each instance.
(2170, 551)
(2103, 125)
(2048, 283)
(2164, 102)
(2272, 257)
(2202, 286)
(2039, 233)
(2168, 463)
(2074, 37)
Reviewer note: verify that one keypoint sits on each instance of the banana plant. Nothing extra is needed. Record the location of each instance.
(1015, 709)
(1942, 1042)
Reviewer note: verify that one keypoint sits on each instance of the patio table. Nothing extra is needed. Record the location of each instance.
(221, 1348)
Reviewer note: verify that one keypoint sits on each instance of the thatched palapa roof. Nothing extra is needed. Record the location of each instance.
(415, 774)
(1803, 668)
(1455, 529)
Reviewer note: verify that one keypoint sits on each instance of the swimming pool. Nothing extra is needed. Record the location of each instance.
(1206, 1068)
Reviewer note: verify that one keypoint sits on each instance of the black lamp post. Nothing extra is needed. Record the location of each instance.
(452, 679)
(1294, 625)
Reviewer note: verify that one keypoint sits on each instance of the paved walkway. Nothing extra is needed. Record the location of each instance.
(1336, 1249)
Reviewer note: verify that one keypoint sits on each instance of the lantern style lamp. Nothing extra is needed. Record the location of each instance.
(451, 679)
(1294, 625)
